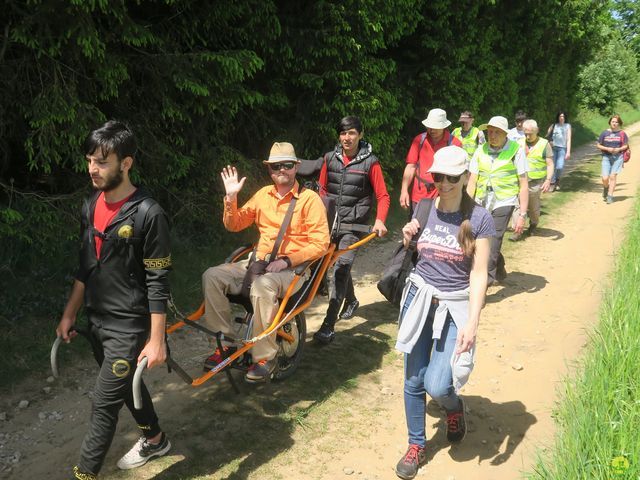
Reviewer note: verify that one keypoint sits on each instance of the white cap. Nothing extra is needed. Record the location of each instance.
(450, 160)
(498, 122)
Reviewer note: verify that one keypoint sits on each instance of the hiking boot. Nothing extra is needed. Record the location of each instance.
(349, 309)
(261, 371)
(216, 359)
(408, 466)
(609, 198)
(501, 273)
(605, 193)
(456, 424)
(532, 228)
(516, 237)
(143, 451)
(325, 335)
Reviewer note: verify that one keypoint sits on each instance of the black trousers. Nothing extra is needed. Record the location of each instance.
(117, 354)
(342, 281)
(501, 218)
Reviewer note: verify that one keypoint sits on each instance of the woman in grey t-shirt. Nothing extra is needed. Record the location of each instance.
(559, 134)
(442, 303)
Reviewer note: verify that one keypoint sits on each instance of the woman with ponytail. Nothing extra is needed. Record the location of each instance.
(441, 304)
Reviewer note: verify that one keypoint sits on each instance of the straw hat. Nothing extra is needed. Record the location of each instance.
(282, 152)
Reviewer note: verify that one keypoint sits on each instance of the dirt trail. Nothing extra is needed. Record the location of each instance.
(341, 415)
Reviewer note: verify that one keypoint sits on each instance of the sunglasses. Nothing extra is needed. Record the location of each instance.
(439, 178)
(276, 167)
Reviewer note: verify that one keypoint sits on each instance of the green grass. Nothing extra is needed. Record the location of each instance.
(599, 413)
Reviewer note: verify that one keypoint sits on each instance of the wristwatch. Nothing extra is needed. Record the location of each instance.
(287, 260)
(523, 215)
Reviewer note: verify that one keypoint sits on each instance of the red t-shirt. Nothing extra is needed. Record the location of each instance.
(102, 216)
(419, 190)
(376, 178)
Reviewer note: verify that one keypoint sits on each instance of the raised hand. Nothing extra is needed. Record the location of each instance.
(232, 185)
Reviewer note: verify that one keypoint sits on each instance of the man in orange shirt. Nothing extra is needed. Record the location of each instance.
(306, 238)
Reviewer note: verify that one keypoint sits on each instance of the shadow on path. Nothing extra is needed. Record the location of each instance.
(494, 430)
(214, 428)
(515, 284)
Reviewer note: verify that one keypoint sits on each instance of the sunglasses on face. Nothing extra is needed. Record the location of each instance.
(276, 167)
(439, 178)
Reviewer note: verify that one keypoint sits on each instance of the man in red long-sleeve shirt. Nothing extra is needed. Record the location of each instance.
(420, 157)
(352, 176)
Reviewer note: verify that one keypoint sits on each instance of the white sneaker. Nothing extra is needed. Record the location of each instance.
(143, 451)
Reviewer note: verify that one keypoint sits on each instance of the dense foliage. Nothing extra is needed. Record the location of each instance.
(206, 83)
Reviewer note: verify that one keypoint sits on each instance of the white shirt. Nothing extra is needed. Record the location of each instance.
(515, 134)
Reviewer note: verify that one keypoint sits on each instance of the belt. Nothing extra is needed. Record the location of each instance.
(435, 301)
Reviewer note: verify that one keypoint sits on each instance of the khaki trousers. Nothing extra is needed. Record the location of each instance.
(266, 289)
(533, 210)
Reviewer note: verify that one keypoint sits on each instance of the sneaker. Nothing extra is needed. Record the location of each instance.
(261, 371)
(408, 466)
(605, 192)
(79, 475)
(456, 424)
(216, 359)
(143, 451)
(325, 335)
(609, 198)
(349, 309)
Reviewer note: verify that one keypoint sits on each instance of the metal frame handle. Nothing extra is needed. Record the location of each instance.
(137, 382)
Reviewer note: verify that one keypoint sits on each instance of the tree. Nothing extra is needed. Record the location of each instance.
(610, 78)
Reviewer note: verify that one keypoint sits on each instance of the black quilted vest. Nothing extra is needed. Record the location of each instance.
(349, 185)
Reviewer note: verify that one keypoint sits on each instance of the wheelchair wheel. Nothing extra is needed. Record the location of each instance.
(289, 354)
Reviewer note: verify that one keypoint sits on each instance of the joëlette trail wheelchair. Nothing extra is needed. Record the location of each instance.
(289, 323)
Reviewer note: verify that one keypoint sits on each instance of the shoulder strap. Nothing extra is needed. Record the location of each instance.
(423, 138)
(138, 220)
(423, 209)
(450, 139)
(285, 224)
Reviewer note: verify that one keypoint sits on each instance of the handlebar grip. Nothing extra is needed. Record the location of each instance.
(54, 356)
(137, 381)
(355, 228)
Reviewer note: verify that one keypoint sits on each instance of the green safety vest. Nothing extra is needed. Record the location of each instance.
(536, 158)
(470, 142)
(499, 173)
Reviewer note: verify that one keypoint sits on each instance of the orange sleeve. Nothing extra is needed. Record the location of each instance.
(236, 219)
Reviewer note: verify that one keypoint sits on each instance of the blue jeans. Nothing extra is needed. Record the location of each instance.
(612, 164)
(558, 162)
(427, 369)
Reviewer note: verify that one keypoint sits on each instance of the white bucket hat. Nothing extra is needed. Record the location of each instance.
(437, 118)
(450, 160)
(498, 122)
(282, 152)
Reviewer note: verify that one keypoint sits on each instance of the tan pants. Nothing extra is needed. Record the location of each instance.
(266, 289)
(533, 210)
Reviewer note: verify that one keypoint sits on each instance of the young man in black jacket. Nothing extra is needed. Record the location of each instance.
(351, 175)
(122, 280)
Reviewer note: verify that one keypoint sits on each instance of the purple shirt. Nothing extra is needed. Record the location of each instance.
(441, 261)
(612, 139)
